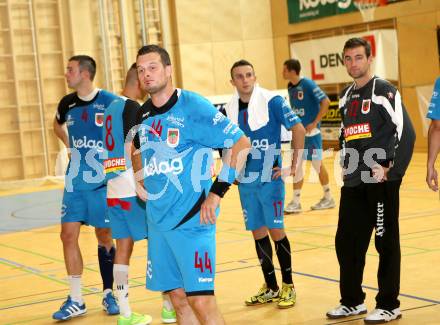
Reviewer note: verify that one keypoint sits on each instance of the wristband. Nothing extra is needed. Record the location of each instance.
(227, 174)
(219, 187)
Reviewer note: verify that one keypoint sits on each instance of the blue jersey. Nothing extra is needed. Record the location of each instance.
(266, 141)
(117, 119)
(305, 98)
(434, 106)
(84, 122)
(176, 141)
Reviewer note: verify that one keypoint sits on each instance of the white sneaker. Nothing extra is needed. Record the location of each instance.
(324, 204)
(379, 316)
(343, 311)
(293, 207)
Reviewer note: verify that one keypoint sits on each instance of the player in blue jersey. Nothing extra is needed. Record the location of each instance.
(260, 115)
(433, 137)
(310, 103)
(84, 198)
(125, 210)
(177, 130)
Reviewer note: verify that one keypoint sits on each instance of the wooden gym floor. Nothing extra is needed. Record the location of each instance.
(33, 279)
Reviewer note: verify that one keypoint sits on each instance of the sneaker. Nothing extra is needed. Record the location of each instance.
(110, 305)
(324, 204)
(135, 319)
(293, 207)
(343, 311)
(379, 316)
(168, 316)
(287, 297)
(264, 296)
(69, 309)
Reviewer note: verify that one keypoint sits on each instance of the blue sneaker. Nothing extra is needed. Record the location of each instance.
(110, 305)
(69, 309)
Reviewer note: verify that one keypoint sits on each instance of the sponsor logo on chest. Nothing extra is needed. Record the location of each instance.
(357, 131)
(87, 143)
(154, 167)
(114, 164)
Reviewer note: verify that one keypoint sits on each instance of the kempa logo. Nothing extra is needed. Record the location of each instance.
(87, 144)
(307, 4)
(152, 168)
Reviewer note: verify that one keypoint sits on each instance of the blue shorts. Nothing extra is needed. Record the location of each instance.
(128, 218)
(313, 147)
(182, 258)
(263, 204)
(87, 207)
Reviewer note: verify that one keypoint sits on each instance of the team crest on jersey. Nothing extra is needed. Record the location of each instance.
(173, 137)
(99, 119)
(300, 95)
(366, 103)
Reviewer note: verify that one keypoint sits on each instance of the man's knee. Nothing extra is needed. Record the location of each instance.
(69, 233)
(202, 304)
(104, 235)
(179, 299)
(277, 234)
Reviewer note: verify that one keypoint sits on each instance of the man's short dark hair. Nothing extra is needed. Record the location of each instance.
(164, 56)
(131, 76)
(293, 64)
(356, 42)
(240, 63)
(85, 62)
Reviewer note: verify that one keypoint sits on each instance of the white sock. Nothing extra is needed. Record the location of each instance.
(120, 274)
(296, 196)
(75, 288)
(167, 302)
(107, 291)
(327, 193)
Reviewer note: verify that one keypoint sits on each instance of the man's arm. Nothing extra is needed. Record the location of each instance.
(433, 150)
(235, 158)
(297, 148)
(61, 132)
(323, 109)
(136, 162)
(297, 145)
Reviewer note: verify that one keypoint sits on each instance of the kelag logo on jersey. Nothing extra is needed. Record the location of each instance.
(299, 111)
(173, 166)
(262, 144)
(87, 144)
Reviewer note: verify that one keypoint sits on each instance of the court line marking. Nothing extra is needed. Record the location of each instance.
(337, 281)
(88, 309)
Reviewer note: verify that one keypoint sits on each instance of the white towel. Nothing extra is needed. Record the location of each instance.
(258, 109)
